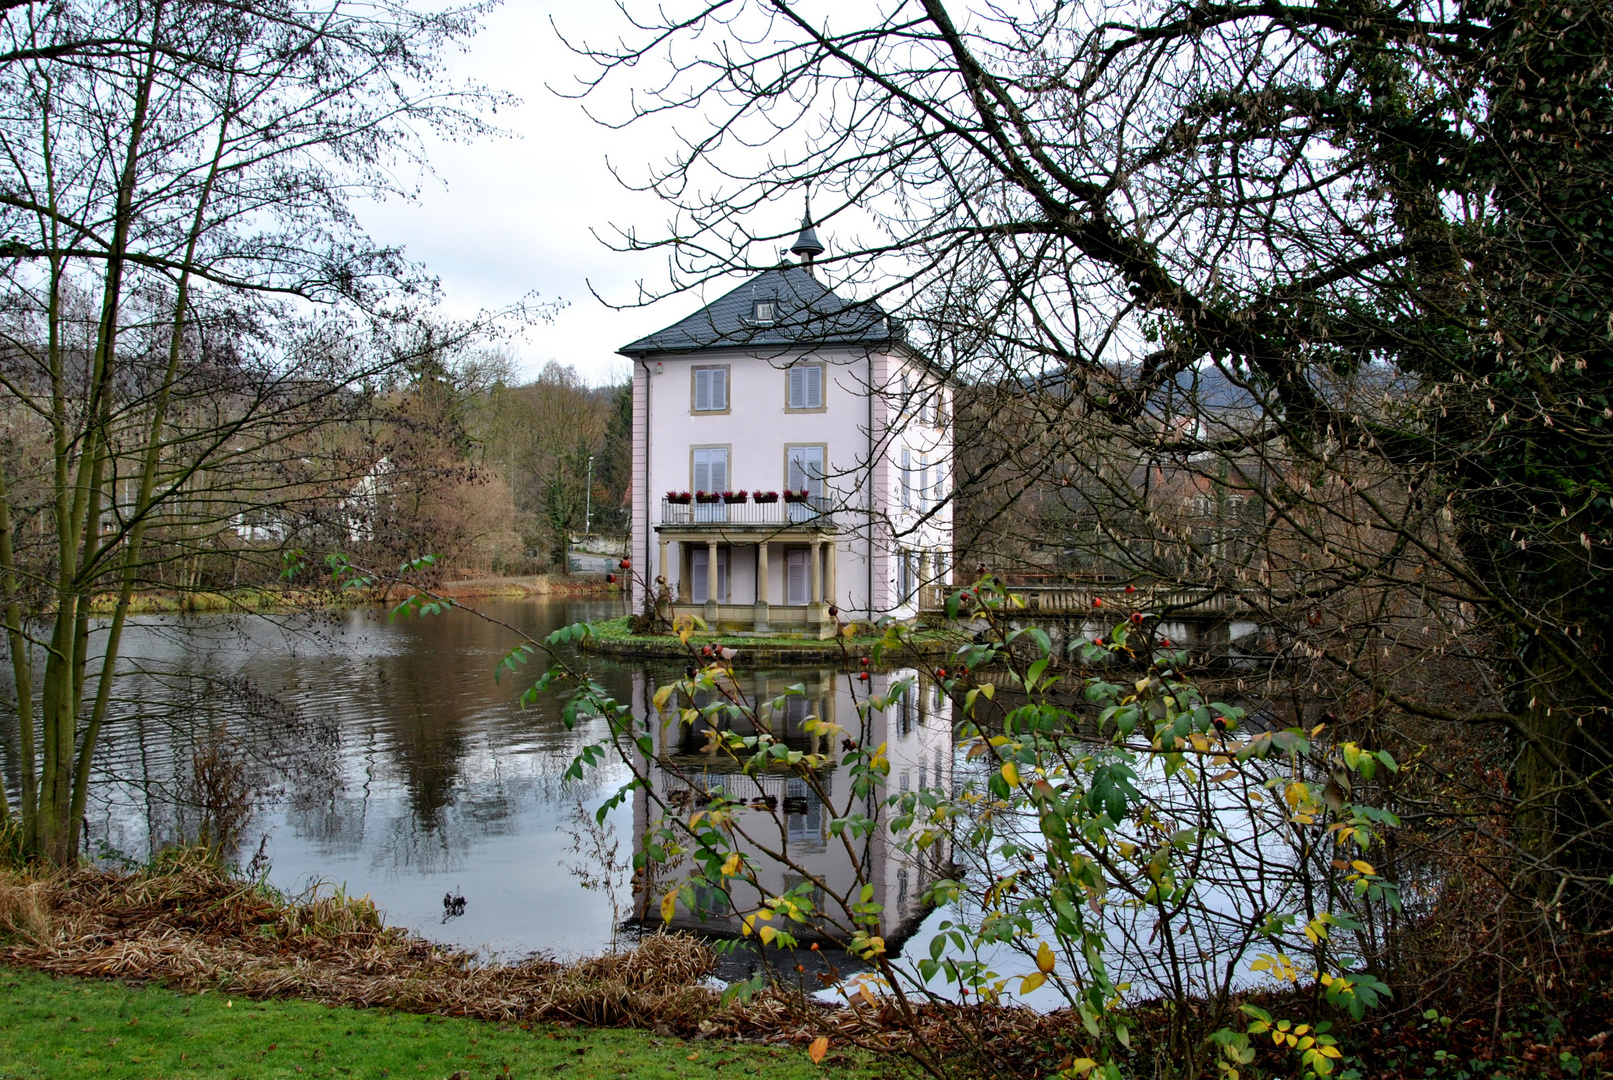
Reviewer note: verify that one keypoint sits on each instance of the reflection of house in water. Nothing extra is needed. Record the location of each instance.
(781, 812)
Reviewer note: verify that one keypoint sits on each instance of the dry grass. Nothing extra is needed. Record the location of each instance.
(190, 925)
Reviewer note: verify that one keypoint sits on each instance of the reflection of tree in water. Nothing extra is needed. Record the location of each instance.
(147, 795)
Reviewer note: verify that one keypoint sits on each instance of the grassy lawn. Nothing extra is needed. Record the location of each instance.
(62, 1027)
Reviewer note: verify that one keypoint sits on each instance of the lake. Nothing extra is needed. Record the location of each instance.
(387, 761)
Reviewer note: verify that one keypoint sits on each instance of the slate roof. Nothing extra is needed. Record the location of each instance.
(805, 313)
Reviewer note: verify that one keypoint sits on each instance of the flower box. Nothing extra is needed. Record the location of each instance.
(706, 496)
(797, 496)
(766, 496)
(732, 497)
(680, 497)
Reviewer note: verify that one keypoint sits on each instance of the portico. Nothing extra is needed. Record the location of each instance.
(774, 571)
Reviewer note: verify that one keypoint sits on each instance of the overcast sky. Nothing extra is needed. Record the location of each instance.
(513, 216)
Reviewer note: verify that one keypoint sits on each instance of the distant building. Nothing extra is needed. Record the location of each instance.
(781, 388)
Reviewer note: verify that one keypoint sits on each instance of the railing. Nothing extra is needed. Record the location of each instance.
(1068, 600)
(815, 512)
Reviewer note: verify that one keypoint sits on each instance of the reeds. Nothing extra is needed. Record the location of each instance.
(191, 925)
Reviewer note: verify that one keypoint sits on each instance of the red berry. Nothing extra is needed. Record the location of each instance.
(863, 676)
(1136, 618)
(941, 673)
(610, 579)
(865, 661)
(1131, 588)
(834, 612)
(1096, 602)
(627, 564)
(1097, 641)
(1166, 642)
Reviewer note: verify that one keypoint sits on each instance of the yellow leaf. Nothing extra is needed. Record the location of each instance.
(669, 905)
(1082, 1066)
(1044, 959)
(864, 993)
(746, 925)
(732, 867)
(767, 934)
(662, 696)
(1011, 773)
(1221, 778)
(989, 690)
(1362, 867)
(1031, 982)
(819, 1047)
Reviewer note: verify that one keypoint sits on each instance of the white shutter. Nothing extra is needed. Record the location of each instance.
(806, 469)
(711, 469)
(806, 386)
(702, 470)
(697, 572)
(924, 484)
(795, 586)
(710, 389)
(722, 575)
(907, 480)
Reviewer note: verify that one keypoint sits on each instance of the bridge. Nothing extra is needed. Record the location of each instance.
(1219, 624)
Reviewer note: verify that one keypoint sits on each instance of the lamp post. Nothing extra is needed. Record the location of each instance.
(588, 499)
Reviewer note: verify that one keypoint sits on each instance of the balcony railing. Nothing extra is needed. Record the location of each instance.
(814, 513)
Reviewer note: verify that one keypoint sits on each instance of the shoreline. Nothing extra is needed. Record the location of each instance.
(275, 600)
(611, 638)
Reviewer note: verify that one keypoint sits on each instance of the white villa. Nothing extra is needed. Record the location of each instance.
(782, 389)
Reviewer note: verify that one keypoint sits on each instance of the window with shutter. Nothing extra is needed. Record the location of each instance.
(700, 585)
(710, 468)
(711, 389)
(795, 588)
(804, 472)
(907, 480)
(924, 484)
(806, 386)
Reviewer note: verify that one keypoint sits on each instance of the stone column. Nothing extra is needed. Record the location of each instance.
(662, 571)
(711, 584)
(831, 557)
(815, 605)
(763, 609)
(683, 573)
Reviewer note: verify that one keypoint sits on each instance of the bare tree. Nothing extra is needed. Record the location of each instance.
(1334, 275)
(189, 304)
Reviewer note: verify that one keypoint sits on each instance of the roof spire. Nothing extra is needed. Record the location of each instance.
(806, 245)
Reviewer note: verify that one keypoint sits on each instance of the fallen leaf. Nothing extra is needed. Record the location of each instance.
(819, 1047)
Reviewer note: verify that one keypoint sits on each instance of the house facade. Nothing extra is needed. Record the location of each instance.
(790, 453)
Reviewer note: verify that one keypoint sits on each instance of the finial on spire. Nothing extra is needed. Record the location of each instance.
(807, 245)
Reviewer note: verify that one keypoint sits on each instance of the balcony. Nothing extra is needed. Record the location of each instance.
(813, 515)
